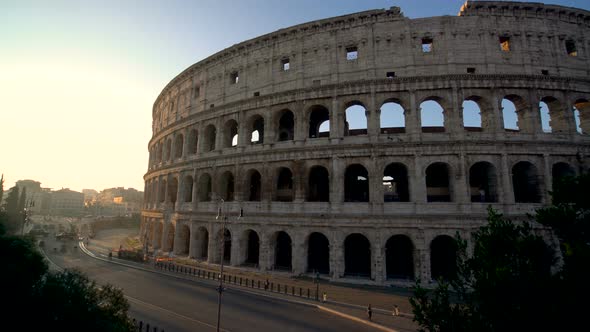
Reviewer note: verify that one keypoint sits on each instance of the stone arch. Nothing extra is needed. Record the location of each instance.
(159, 156)
(399, 257)
(526, 183)
(392, 117)
(355, 119)
(286, 126)
(582, 107)
(318, 253)
(252, 248)
(168, 150)
(284, 185)
(561, 170)
(188, 188)
(254, 185)
(356, 184)
(443, 257)
(224, 237)
(513, 112)
(193, 141)
(163, 191)
(209, 138)
(202, 243)
(318, 115)
(432, 115)
(173, 190)
(204, 189)
(438, 186)
(178, 146)
(318, 189)
(472, 114)
(256, 129)
(395, 183)
(483, 182)
(230, 133)
(227, 186)
(357, 256)
(184, 238)
(283, 251)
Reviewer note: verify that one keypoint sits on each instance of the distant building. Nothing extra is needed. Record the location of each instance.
(66, 202)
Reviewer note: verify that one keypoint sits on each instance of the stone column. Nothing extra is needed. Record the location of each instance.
(264, 257)
(413, 125)
(373, 114)
(337, 181)
(300, 130)
(507, 181)
(375, 181)
(497, 116)
(242, 130)
(455, 116)
(218, 134)
(418, 182)
(236, 249)
(378, 268)
(298, 256)
(548, 177)
(461, 185)
(213, 245)
(299, 181)
(269, 128)
(336, 260)
(180, 193)
(336, 121)
(192, 241)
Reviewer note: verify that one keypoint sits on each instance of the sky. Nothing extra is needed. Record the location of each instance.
(78, 78)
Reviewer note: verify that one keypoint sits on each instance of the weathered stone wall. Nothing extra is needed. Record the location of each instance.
(205, 106)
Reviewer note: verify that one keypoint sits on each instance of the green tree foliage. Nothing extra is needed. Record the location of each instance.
(11, 209)
(22, 200)
(502, 287)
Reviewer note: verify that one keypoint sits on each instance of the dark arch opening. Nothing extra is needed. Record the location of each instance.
(205, 188)
(286, 126)
(178, 146)
(319, 185)
(561, 171)
(318, 115)
(173, 190)
(283, 252)
(285, 185)
(357, 256)
(203, 243)
(356, 184)
(185, 239)
(318, 253)
(227, 186)
(168, 155)
(231, 134)
(193, 141)
(437, 183)
(395, 183)
(253, 252)
(257, 134)
(210, 134)
(525, 183)
(255, 187)
(483, 182)
(399, 257)
(443, 257)
(188, 188)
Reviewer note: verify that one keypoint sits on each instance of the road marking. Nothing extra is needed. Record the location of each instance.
(132, 299)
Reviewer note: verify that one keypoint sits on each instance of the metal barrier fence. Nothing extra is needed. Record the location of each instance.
(141, 326)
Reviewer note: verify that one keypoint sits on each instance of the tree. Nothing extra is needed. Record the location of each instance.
(22, 202)
(502, 287)
(11, 209)
(1, 187)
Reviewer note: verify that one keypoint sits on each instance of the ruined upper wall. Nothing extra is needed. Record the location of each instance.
(387, 44)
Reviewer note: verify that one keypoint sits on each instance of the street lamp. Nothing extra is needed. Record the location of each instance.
(317, 285)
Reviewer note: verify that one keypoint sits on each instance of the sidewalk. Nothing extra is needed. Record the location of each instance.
(347, 300)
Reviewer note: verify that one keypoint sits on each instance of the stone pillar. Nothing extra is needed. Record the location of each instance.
(337, 181)
(378, 257)
(497, 116)
(375, 181)
(192, 241)
(413, 125)
(236, 249)
(180, 193)
(336, 121)
(242, 130)
(299, 180)
(548, 178)
(269, 128)
(218, 134)
(298, 256)
(213, 245)
(507, 181)
(373, 115)
(418, 182)
(461, 185)
(264, 256)
(336, 260)
(301, 129)
(423, 255)
(455, 116)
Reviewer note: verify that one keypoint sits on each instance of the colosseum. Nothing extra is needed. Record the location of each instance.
(358, 146)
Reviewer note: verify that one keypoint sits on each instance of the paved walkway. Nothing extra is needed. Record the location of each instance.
(344, 299)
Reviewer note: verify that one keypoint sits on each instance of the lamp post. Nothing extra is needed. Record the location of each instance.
(317, 286)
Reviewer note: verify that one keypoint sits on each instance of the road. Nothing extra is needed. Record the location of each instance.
(178, 305)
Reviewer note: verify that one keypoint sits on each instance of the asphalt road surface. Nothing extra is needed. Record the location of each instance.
(177, 305)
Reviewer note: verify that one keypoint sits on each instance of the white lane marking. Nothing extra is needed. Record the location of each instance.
(132, 299)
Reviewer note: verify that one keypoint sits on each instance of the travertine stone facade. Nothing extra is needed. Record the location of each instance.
(379, 203)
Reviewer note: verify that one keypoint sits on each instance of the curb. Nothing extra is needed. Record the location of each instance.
(332, 311)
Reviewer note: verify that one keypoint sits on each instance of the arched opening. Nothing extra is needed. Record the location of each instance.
(432, 116)
(178, 146)
(202, 248)
(318, 253)
(399, 257)
(437, 183)
(193, 141)
(471, 116)
(395, 183)
(184, 238)
(210, 134)
(356, 184)
(483, 182)
(286, 126)
(173, 190)
(162, 191)
(255, 186)
(159, 153)
(577, 120)
(205, 188)
(226, 186)
(318, 185)
(230, 132)
(545, 115)
(357, 256)
(525, 183)
(283, 251)
(392, 118)
(582, 116)
(560, 171)
(257, 133)
(513, 108)
(188, 188)
(253, 251)
(168, 153)
(443, 257)
(319, 122)
(355, 119)
(284, 185)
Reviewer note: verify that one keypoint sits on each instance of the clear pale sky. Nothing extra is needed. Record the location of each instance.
(78, 78)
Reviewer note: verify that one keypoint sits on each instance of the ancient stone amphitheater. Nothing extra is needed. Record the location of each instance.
(357, 146)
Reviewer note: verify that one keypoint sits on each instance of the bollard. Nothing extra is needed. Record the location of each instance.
(147, 327)
(271, 286)
(240, 281)
(155, 329)
(300, 291)
(293, 290)
(140, 325)
(286, 289)
(258, 284)
(308, 293)
(278, 288)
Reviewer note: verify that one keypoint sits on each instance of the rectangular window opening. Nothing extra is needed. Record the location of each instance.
(234, 78)
(212, 105)
(197, 92)
(505, 44)
(390, 74)
(316, 82)
(352, 53)
(545, 72)
(285, 64)
(256, 94)
(570, 47)
(426, 45)
(470, 70)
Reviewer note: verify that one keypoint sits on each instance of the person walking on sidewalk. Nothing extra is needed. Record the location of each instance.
(395, 311)
(324, 297)
(369, 311)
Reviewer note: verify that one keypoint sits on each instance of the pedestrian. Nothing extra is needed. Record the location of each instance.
(369, 311)
(482, 195)
(266, 283)
(395, 311)
(324, 297)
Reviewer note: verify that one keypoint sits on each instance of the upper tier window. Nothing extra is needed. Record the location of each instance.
(352, 53)
(505, 44)
(285, 64)
(234, 78)
(426, 45)
(570, 48)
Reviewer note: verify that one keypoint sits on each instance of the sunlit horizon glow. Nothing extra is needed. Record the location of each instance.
(79, 78)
